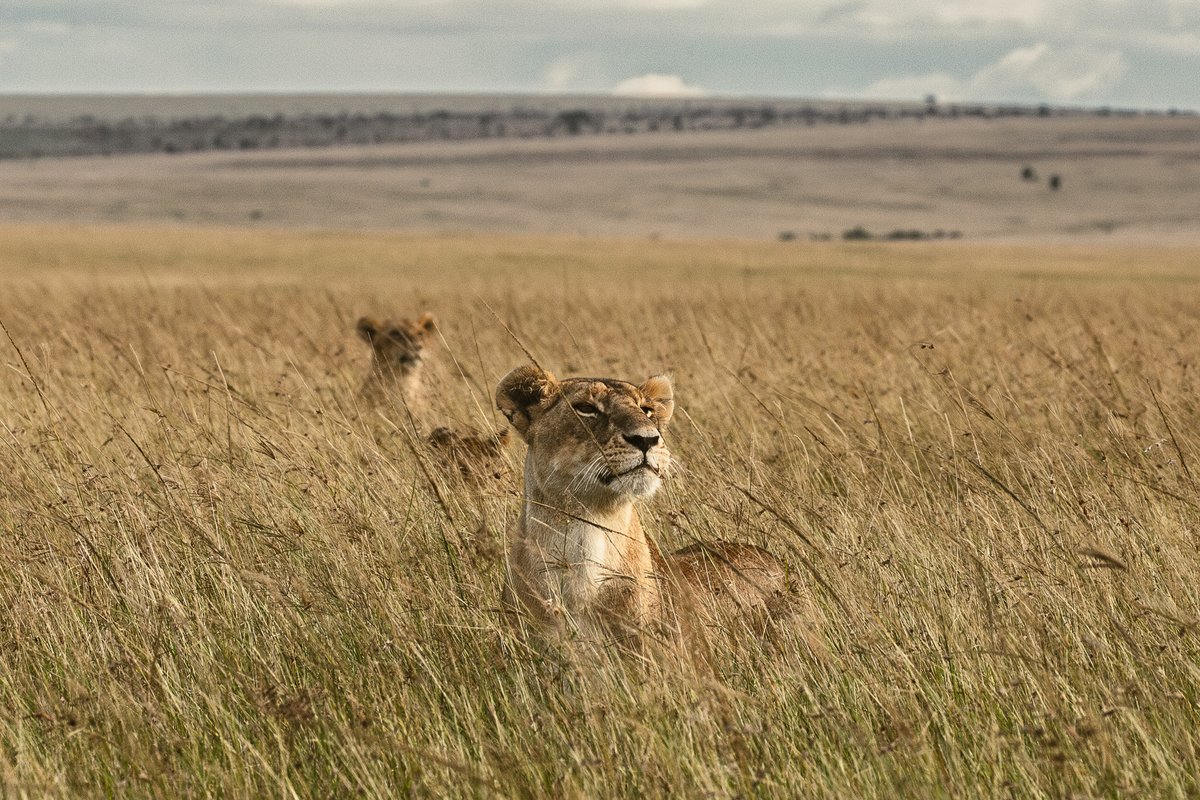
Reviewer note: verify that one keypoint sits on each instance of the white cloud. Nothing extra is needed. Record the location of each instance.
(1119, 23)
(560, 74)
(576, 71)
(1028, 13)
(1039, 70)
(1072, 74)
(920, 17)
(656, 85)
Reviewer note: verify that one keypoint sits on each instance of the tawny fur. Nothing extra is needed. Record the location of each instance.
(398, 351)
(478, 457)
(397, 357)
(579, 563)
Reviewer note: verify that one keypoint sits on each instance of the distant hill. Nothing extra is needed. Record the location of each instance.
(84, 125)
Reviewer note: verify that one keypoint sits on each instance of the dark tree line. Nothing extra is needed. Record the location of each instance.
(26, 137)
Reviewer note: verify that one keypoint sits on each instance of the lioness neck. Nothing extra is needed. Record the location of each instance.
(583, 548)
(596, 532)
(403, 377)
(385, 383)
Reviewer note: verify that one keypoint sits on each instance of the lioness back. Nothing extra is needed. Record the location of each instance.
(731, 580)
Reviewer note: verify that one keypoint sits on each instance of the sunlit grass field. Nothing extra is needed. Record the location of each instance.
(221, 575)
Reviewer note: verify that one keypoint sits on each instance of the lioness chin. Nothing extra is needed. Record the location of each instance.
(580, 565)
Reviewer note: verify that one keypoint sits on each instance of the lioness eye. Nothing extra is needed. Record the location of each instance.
(586, 409)
(649, 410)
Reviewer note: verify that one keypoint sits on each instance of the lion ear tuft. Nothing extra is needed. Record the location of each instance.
(426, 323)
(367, 328)
(521, 391)
(659, 391)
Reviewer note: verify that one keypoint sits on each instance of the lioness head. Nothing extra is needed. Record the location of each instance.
(598, 440)
(397, 345)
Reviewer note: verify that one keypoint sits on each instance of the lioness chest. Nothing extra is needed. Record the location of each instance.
(590, 572)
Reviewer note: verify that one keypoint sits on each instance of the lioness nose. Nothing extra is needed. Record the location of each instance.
(643, 443)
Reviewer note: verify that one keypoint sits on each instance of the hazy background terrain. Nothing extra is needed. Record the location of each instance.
(803, 170)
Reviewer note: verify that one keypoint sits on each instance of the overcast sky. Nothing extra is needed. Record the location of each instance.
(1142, 53)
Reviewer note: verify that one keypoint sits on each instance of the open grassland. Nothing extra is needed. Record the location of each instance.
(222, 576)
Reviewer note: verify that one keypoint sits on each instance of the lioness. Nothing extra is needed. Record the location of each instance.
(396, 357)
(579, 563)
(397, 360)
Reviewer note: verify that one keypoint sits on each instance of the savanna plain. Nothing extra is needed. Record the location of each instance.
(224, 575)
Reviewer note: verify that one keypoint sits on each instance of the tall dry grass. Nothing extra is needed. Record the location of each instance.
(224, 577)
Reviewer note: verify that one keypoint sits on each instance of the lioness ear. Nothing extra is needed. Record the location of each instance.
(658, 390)
(426, 323)
(521, 391)
(367, 328)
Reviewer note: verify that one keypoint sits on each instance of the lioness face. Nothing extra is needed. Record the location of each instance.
(598, 440)
(397, 345)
